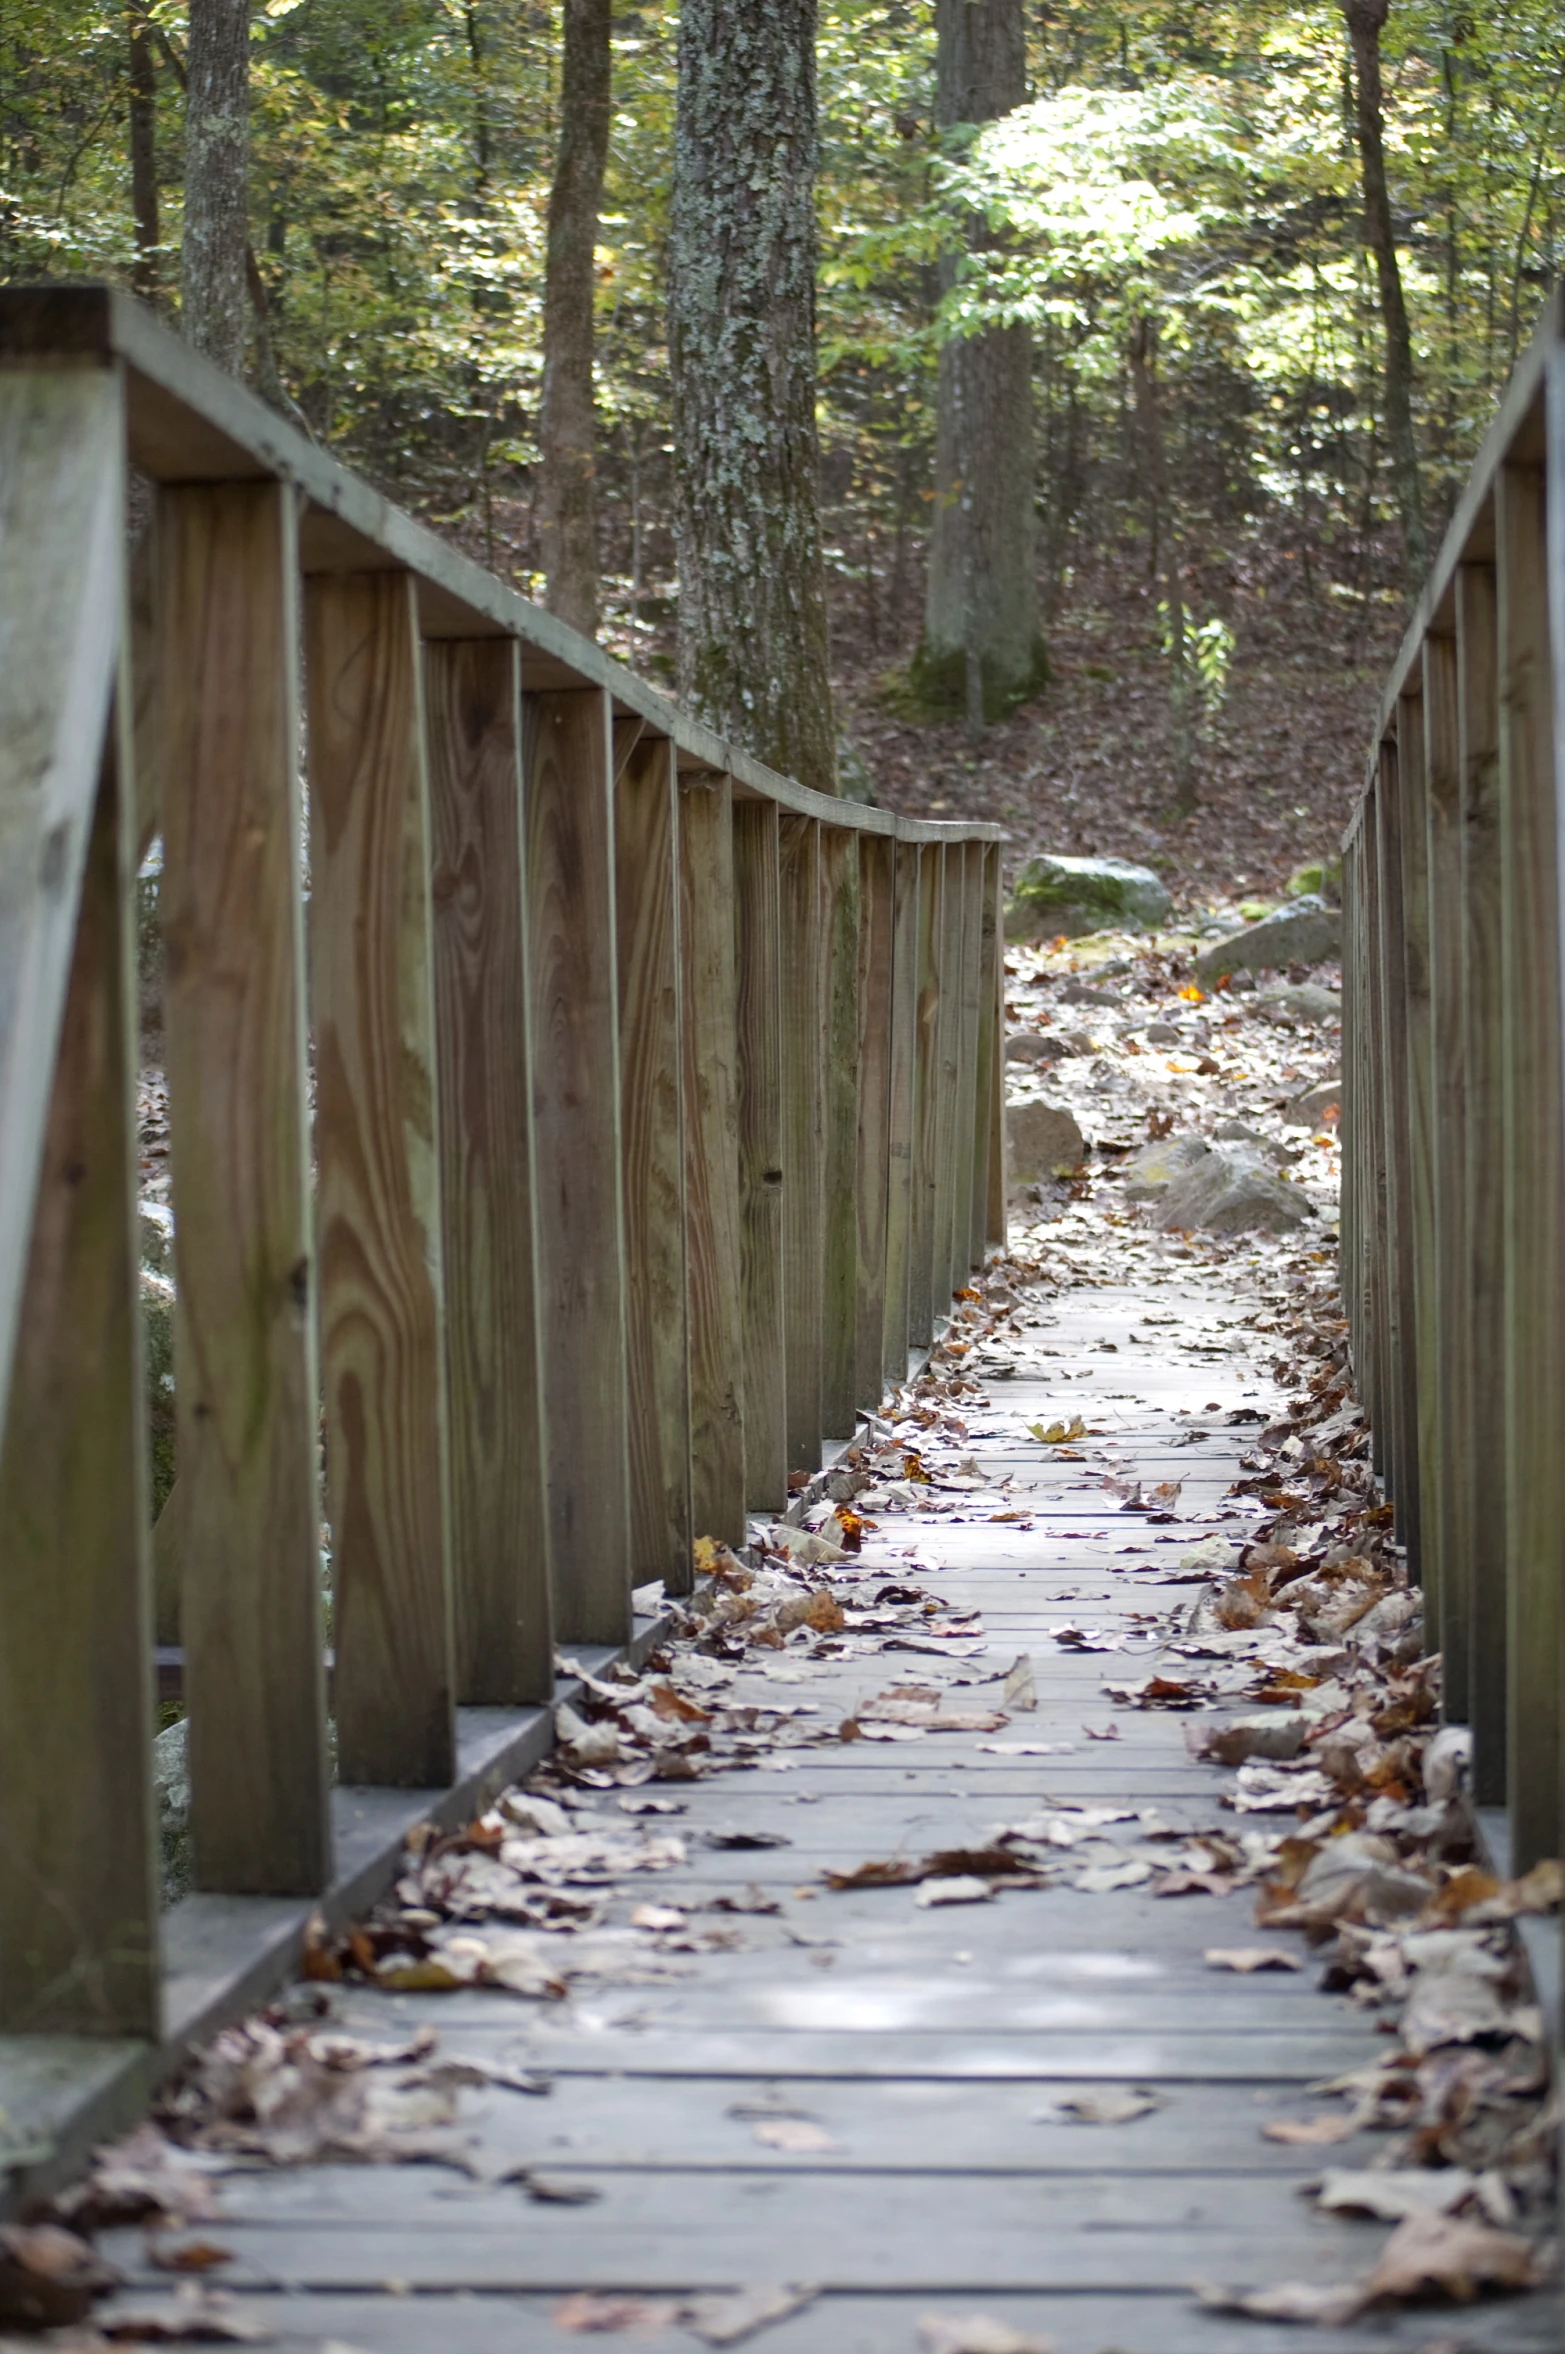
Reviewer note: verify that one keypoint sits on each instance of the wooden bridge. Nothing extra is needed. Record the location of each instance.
(574, 1128)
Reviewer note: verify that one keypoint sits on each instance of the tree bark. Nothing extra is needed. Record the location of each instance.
(753, 656)
(1364, 21)
(568, 504)
(217, 159)
(981, 629)
(144, 150)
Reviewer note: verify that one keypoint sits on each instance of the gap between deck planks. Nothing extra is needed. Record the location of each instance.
(932, 2046)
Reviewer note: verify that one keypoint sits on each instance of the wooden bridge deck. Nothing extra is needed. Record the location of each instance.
(929, 2045)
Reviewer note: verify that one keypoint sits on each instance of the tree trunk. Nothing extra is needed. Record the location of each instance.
(1364, 20)
(981, 631)
(752, 584)
(217, 157)
(1164, 539)
(144, 150)
(568, 503)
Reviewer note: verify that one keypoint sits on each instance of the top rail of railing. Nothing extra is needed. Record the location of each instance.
(189, 422)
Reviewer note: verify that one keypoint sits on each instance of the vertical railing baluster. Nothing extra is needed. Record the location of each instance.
(1483, 1127)
(901, 1109)
(1423, 1335)
(840, 896)
(711, 1082)
(877, 890)
(964, 1256)
(1533, 1156)
(923, 1305)
(377, 1152)
(647, 897)
(758, 1017)
(246, 1502)
(802, 1137)
(497, 1439)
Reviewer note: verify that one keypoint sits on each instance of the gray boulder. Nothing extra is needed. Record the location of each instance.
(1043, 1137)
(157, 1351)
(1231, 1191)
(171, 1789)
(1153, 1169)
(1271, 1148)
(1076, 895)
(1305, 932)
(1302, 1002)
(1309, 1109)
(1037, 1046)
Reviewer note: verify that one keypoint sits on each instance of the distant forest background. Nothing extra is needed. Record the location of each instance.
(1177, 212)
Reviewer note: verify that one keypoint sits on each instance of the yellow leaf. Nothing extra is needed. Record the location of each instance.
(1058, 1434)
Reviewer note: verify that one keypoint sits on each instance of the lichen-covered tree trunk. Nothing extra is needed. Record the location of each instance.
(981, 605)
(216, 232)
(752, 586)
(143, 127)
(1364, 21)
(567, 426)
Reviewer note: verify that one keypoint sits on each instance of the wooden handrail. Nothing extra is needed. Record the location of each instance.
(576, 1134)
(1453, 1220)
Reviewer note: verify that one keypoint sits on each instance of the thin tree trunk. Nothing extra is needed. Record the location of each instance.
(1364, 21)
(567, 425)
(1165, 539)
(144, 151)
(217, 159)
(981, 606)
(753, 655)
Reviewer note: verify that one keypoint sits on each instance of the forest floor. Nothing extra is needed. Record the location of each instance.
(1085, 767)
(1026, 1905)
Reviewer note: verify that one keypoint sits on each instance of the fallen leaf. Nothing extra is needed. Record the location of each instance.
(1021, 1692)
(1311, 2132)
(48, 2276)
(800, 2135)
(1391, 2195)
(1289, 2300)
(1436, 2255)
(725, 2321)
(1247, 1959)
(1103, 1879)
(193, 2316)
(1116, 2105)
(190, 2256)
(976, 2333)
(963, 1889)
(1058, 1434)
(590, 2313)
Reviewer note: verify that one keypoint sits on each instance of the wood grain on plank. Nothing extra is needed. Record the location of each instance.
(1483, 1058)
(576, 1116)
(877, 913)
(989, 1189)
(377, 1152)
(78, 1898)
(246, 1391)
(62, 475)
(1534, 1159)
(923, 1305)
(901, 1107)
(1424, 1336)
(758, 1006)
(712, 1252)
(1451, 1464)
(802, 1136)
(647, 895)
(840, 896)
(497, 1439)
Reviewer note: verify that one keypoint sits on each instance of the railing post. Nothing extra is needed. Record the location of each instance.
(647, 895)
(1418, 1202)
(1483, 1060)
(953, 901)
(1402, 1386)
(712, 1247)
(377, 1136)
(802, 1137)
(78, 1900)
(877, 886)
(963, 1143)
(901, 1113)
(758, 1001)
(989, 1109)
(923, 1302)
(247, 1497)
(1451, 1438)
(840, 897)
(1534, 1167)
(498, 1453)
(571, 921)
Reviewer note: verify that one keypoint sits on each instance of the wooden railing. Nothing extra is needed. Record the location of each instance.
(572, 1125)
(1453, 1226)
